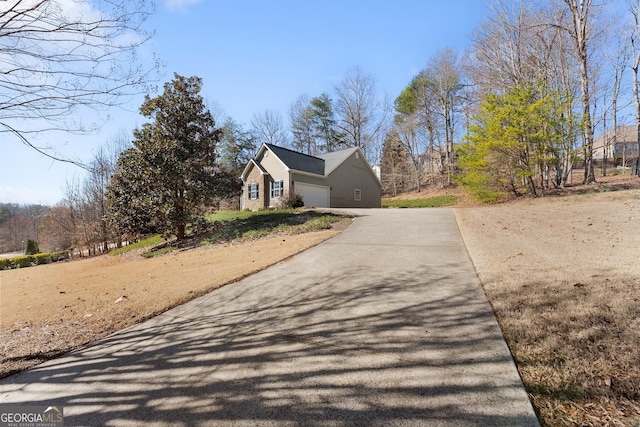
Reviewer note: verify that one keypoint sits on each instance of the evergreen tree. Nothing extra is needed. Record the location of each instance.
(172, 172)
(324, 123)
(32, 248)
(515, 138)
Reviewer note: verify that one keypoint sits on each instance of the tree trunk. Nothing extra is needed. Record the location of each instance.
(638, 158)
(605, 144)
(580, 13)
(589, 174)
(636, 63)
(181, 231)
(636, 100)
(416, 166)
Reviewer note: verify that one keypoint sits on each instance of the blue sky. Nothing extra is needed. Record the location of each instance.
(256, 55)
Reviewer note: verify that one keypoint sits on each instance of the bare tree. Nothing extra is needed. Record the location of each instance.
(507, 49)
(618, 58)
(407, 133)
(63, 58)
(634, 8)
(19, 223)
(361, 114)
(83, 212)
(394, 166)
(57, 229)
(564, 77)
(580, 31)
(101, 169)
(522, 42)
(447, 82)
(268, 128)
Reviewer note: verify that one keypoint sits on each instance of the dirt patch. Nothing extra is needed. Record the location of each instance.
(563, 276)
(50, 309)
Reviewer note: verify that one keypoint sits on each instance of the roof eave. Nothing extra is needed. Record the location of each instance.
(299, 172)
(246, 169)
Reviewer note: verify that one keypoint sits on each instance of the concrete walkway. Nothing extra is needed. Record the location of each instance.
(383, 325)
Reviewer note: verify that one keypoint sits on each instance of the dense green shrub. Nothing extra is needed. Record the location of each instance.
(59, 256)
(23, 261)
(29, 260)
(32, 248)
(199, 225)
(42, 258)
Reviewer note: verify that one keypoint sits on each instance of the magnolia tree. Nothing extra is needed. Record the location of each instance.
(172, 171)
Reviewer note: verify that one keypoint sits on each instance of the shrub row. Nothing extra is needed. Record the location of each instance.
(29, 260)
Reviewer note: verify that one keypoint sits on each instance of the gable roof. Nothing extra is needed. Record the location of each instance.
(624, 134)
(335, 158)
(250, 164)
(322, 165)
(298, 161)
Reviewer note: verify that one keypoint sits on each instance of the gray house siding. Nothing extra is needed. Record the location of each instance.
(295, 177)
(338, 179)
(351, 175)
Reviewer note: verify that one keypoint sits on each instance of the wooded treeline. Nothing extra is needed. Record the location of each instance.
(519, 110)
(516, 113)
(188, 158)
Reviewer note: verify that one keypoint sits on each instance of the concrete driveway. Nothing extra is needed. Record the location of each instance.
(383, 325)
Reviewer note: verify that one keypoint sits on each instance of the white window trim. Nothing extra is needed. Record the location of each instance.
(254, 191)
(277, 186)
(357, 195)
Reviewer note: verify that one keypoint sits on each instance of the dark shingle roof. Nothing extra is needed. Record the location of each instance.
(298, 161)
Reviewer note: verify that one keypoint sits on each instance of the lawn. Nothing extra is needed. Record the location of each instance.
(427, 202)
(563, 277)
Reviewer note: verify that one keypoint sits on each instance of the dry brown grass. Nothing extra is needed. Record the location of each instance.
(50, 309)
(563, 276)
(562, 273)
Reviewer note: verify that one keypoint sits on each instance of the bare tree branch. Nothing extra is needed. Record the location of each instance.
(60, 57)
(45, 152)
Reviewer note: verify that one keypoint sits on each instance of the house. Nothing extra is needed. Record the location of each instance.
(626, 144)
(341, 179)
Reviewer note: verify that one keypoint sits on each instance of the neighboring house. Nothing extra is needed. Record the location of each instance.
(376, 171)
(626, 142)
(341, 179)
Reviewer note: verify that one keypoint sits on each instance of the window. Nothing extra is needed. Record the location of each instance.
(253, 191)
(277, 188)
(357, 194)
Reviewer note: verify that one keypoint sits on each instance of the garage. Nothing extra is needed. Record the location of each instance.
(313, 195)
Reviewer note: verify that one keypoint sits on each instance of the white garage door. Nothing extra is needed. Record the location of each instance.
(313, 195)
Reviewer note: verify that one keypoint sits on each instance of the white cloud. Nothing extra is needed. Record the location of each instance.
(180, 5)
